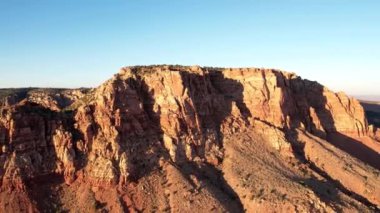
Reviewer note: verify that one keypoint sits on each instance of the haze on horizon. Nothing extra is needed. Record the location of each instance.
(81, 43)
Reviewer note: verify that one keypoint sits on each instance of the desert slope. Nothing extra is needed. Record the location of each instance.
(178, 139)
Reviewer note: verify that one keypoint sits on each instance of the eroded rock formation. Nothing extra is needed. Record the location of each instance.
(150, 127)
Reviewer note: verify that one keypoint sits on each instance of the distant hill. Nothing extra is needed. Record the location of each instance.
(54, 98)
(372, 111)
(368, 98)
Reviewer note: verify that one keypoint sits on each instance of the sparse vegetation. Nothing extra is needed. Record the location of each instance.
(85, 100)
(24, 92)
(57, 97)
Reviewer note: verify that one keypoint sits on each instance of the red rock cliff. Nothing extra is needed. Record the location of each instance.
(145, 114)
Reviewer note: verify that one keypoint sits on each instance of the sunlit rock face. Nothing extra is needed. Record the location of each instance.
(144, 117)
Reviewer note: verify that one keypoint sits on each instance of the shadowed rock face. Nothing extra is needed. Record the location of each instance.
(171, 138)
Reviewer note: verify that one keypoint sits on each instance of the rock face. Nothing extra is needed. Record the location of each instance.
(35, 141)
(172, 123)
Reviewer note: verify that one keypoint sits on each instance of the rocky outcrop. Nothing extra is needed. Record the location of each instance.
(36, 141)
(54, 99)
(126, 128)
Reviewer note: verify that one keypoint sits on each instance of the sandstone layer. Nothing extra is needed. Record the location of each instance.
(176, 138)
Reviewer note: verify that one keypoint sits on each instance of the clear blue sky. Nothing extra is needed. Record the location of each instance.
(73, 43)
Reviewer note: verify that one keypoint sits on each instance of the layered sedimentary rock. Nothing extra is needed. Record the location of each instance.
(35, 141)
(148, 119)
